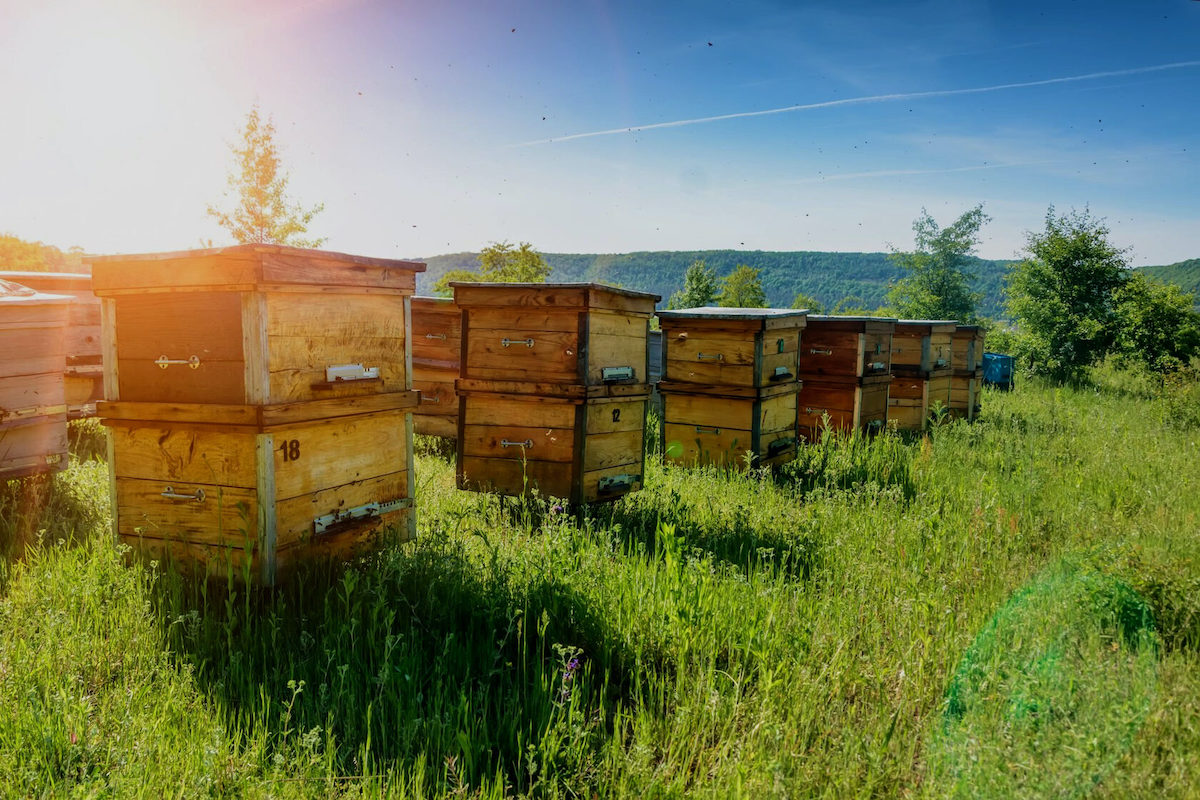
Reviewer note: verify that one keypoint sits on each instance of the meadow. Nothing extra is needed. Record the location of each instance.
(1009, 608)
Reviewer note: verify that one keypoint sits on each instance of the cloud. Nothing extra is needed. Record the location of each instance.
(877, 98)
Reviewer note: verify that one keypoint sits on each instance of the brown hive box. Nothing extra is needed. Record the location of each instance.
(755, 427)
(275, 422)
(714, 346)
(913, 399)
(83, 377)
(553, 390)
(33, 412)
(967, 380)
(923, 347)
(845, 366)
(437, 347)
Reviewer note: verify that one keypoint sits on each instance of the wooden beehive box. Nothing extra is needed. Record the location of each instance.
(912, 399)
(967, 379)
(437, 347)
(722, 426)
(842, 406)
(83, 376)
(570, 445)
(256, 489)
(847, 349)
(713, 346)
(579, 334)
(965, 396)
(253, 324)
(923, 347)
(33, 411)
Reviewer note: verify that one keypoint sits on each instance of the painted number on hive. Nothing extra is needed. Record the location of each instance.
(290, 449)
(616, 415)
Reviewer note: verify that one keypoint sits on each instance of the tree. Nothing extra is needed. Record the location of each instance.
(19, 255)
(699, 287)
(500, 263)
(262, 212)
(938, 283)
(1156, 326)
(813, 305)
(1062, 295)
(742, 289)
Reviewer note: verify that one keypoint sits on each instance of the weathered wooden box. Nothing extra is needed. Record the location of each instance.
(723, 426)
(846, 349)
(858, 406)
(83, 376)
(33, 411)
(437, 348)
(913, 399)
(923, 347)
(581, 334)
(741, 347)
(582, 444)
(256, 490)
(965, 401)
(967, 379)
(253, 324)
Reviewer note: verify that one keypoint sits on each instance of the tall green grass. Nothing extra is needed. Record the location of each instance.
(842, 627)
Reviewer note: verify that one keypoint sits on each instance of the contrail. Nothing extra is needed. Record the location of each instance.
(889, 173)
(877, 98)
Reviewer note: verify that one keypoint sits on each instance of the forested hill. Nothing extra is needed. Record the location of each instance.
(829, 277)
(1184, 274)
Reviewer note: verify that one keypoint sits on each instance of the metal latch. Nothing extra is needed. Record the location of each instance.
(525, 445)
(781, 373)
(171, 494)
(707, 429)
(351, 372)
(616, 373)
(710, 356)
(441, 336)
(192, 361)
(617, 483)
(324, 523)
(816, 412)
(819, 352)
(507, 342)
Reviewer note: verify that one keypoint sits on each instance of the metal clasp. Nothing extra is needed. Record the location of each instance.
(441, 336)
(706, 429)
(506, 342)
(710, 356)
(818, 352)
(164, 362)
(171, 494)
(527, 444)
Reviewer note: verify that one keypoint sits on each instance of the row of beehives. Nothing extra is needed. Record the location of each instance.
(735, 384)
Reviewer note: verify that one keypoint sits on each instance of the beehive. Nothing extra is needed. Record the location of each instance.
(553, 389)
(922, 365)
(730, 385)
(437, 347)
(83, 376)
(845, 369)
(258, 403)
(967, 379)
(33, 412)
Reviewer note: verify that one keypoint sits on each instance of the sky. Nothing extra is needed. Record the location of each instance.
(596, 126)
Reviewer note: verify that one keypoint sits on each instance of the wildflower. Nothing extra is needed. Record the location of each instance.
(558, 509)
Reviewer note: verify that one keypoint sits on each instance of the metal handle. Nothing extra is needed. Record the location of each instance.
(164, 362)
(706, 429)
(813, 411)
(441, 336)
(171, 494)
(528, 443)
(818, 352)
(437, 398)
(710, 356)
(527, 342)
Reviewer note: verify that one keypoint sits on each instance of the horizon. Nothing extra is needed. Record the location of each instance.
(609, 128)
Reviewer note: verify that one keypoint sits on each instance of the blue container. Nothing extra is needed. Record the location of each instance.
(998, 370)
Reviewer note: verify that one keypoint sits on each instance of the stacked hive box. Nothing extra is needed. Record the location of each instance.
(553, 391)
(922, 363)
(846, 369)
(967, 380)
(436, 347)
(83, 378)
(258, 403)
(33, 413)
(730, 385)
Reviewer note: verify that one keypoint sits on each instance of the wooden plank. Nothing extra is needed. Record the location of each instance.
(189, 558)
(273, 416)
(550, 391)
(32, 351)
(709, 412)
(212, 382)
(36, 446)
(264, 448)
(181, 270)
(176, 455)
(700, 445)
(513, 477)
(552, 357)
(778, 413)
(298, 364)
(433, 425)
(605, 350)
(25, 395)
(108, 350)
(486, 409)
(437, 397)
(307, 314)
(614, 416)
(348, 543)
(706, 374)
(519, 442)
(606, 450)
(315, 268)
(530, 320)
(589, 490)
(227, 516)
(315, 456)
(295, 516)
(204, 413)
(255, 348)
(698, 346)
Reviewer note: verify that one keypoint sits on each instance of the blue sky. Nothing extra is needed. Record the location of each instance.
(442, 126)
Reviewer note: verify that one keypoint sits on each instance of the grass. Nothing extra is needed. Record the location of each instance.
(1010, 608)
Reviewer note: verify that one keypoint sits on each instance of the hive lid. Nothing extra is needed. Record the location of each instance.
(721, 312)
(247, 266)
(848, 318)
(54, 281)
(16, 294)
(554, 295)
(927, 325)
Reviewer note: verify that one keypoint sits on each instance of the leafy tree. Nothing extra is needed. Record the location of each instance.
(742, 289)
(699, 287)
(500, 263)
(19, 255)
(1156, 326)
(938, 284)
(814, 305)
(262, 213)
(1062, 295)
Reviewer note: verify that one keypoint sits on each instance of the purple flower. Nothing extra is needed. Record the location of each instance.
(558, 509)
